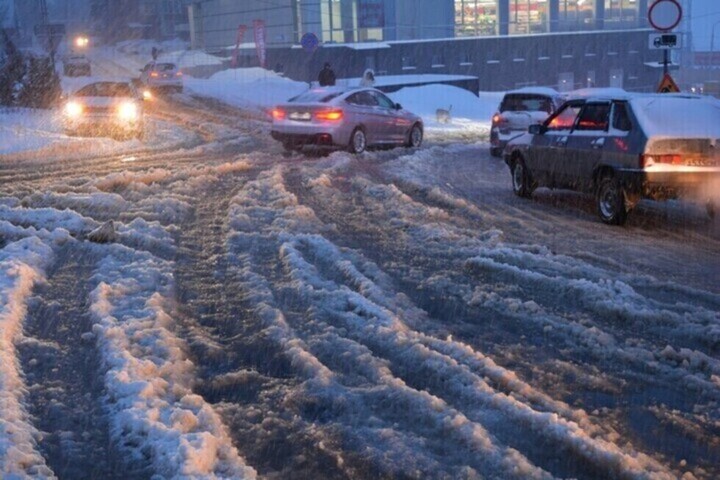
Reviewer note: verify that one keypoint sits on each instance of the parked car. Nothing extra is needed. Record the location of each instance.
(518, 110)
(623, 148)
(354, 119)
(162, 76)
(105, 107)
(76, 66)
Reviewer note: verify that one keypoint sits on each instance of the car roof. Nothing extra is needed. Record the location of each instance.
(550, 92)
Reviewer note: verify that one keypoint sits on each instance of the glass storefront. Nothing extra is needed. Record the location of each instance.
(577, 14)
(529, 16)
(621, 13)
(476, 17)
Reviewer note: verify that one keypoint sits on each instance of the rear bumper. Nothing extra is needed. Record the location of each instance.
(500, 137)
(302, 139)
(662, 184)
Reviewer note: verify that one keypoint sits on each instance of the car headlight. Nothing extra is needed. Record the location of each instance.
(128, 111)
(73, 109)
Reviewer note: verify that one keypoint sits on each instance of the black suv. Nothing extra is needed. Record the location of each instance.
(623, 148)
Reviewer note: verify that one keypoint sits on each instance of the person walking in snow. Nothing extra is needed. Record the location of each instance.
(327, 76)
(368, 78)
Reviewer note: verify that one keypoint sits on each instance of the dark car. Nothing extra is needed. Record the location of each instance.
(518, 110)
(623, 148)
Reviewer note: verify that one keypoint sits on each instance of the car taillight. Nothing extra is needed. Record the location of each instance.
(279, 114)
(329, 115)
(178, 74)
(496, 118)
(650, 160)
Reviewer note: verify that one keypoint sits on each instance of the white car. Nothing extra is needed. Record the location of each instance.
(105, 107)
(162, 76)
(76, 66)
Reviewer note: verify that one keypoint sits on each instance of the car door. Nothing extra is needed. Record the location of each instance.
(549, 148)
(585, 146)
(390, 132)
(367, 113)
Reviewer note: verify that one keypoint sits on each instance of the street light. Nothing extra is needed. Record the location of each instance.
(712, 42)
(82, 42)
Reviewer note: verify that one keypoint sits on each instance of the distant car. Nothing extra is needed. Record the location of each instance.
(623, 148)
(354, 119)
(518, 110)
(76, 66)
(105, 107)
(162, 76)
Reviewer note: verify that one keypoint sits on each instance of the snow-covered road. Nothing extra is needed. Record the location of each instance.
(399, 314)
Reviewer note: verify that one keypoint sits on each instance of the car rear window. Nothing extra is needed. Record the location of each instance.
(105, 89)
(315, 96)
(165, 67)
(526, 103)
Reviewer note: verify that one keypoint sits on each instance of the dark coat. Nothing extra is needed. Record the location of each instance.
(326, 77)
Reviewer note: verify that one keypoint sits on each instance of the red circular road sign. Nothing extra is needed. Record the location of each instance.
(665, 15)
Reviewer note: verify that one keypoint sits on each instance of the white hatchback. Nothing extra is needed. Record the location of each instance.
(162, 76)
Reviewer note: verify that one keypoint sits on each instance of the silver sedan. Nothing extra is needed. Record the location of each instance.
(353, 119)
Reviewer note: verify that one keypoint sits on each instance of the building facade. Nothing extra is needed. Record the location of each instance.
(353, 21)
(134, 19)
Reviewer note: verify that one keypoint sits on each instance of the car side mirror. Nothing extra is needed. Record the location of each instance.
(537, 129)
(398, 106)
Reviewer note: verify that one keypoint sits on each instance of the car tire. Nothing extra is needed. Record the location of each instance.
(358, 141)
(521, 179)
(495, 152)
(415, 138)
(610, 199)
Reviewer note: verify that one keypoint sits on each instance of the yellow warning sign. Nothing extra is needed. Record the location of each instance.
(668, 85)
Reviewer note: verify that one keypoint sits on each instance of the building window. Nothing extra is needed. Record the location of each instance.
(408, 63)
(476, 17)
(529, 16)
(577, 14)
(621, 13)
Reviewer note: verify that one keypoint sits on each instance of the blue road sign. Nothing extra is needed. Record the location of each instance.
(310, 42)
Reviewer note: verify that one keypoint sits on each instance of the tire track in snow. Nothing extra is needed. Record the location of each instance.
(62, 370)
(399, 240)
(21, 267)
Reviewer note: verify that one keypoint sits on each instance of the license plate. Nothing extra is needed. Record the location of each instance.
(305, 116)
(702, 162)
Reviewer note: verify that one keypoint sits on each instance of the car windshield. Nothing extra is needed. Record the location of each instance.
(164, 67)
(315, 96)
(526, 103)
(105, 89)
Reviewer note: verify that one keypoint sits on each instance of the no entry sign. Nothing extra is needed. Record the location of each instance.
(664, 15)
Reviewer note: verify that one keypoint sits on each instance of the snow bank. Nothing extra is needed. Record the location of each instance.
(21, 267)
(253, 88)
(468, 113)
(26, 129)
(153, 410)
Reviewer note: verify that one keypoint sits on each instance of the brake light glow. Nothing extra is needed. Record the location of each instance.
(329, 115)
(178, 74)
(279, 114)
(497, 118)
(650, 160)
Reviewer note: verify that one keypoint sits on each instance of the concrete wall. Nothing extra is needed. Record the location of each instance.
(500, 63)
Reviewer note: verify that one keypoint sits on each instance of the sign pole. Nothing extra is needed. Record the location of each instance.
(665, 62)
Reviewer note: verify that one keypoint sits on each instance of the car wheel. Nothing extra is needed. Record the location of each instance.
(358, 141)
(522, 184)
(415, 138)
(611, 201)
